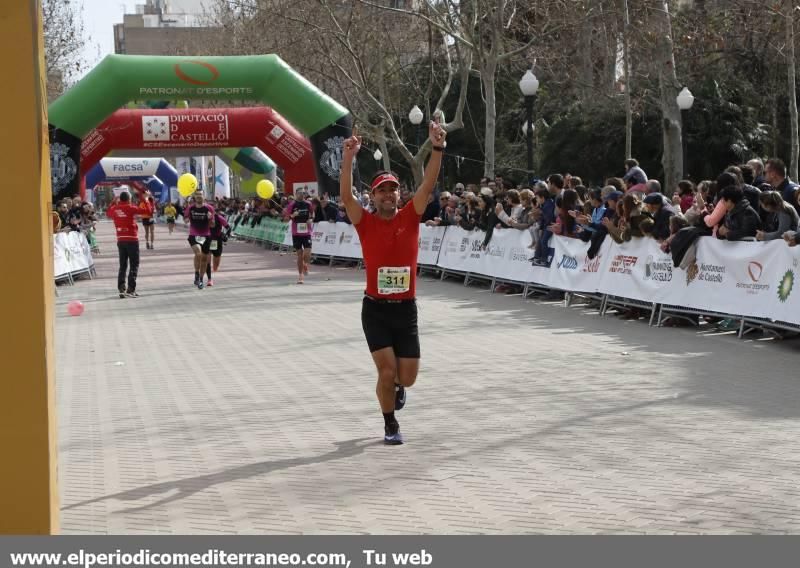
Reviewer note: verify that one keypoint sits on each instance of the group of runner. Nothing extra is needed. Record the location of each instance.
(389, 242)
(207, 234)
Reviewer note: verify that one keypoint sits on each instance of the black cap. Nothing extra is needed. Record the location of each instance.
(654, 199)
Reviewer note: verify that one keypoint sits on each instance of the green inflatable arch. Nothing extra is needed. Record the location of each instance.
(267, 79)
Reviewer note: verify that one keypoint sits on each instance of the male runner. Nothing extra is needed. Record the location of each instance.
(389, 242)
(124, 216)
(200, 217)
(220, 227)
(301, 212)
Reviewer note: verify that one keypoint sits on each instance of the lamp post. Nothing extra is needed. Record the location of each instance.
(416, 116)
(529, 85)
(685, 101)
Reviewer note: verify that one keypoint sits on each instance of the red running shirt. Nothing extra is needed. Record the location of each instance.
(124, 217)
(390, 248)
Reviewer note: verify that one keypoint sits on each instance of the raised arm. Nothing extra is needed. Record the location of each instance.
(349, 151)
(437, 134)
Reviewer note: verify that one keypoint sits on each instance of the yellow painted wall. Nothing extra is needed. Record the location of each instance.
(28, 484)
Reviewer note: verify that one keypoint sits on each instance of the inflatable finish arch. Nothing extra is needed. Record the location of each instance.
(134, 168)
(119, 79)
(203, 131)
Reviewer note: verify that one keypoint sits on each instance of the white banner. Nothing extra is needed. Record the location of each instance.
(349, 244)
(222, 179)
(129, 167)
(324, 238)
(572, 269)
(71, 253)
(430, 241)
(640, 270)
(183, 165)
(749, 279)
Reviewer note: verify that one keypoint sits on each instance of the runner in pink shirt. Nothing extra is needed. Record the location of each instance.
(200, 217)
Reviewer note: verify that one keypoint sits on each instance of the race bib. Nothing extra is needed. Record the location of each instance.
(394, 279)
(302, 227)
(200, 240)
(214, 244)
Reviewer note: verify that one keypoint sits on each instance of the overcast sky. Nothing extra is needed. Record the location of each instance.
(99, 17)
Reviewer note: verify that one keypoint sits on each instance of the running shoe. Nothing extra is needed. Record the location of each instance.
(132, 294)
(399, 396)
(122, 293)
(200, 285)
(392, 436)
(210, 283)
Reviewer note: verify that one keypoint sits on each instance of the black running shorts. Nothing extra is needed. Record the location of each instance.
(205, 247)
(148, 221)
(301, 242)
(391, 324)
(218, 251)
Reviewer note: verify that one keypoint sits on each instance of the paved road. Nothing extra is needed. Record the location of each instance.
(249, 408)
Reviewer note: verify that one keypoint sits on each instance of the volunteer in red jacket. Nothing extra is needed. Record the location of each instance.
(390, 245)
(124, 216)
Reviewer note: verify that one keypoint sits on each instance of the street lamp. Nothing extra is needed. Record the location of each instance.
(416, 116)
(525, 128)
(529, 85)
(685, 101)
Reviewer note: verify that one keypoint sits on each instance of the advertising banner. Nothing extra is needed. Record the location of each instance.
(198, 129)
(71, 254)
(127, 167)
(349, 243)
(222, 179)
(742, 278)
(574, 271)
(639, 270)
(430, 242)
(324, 238)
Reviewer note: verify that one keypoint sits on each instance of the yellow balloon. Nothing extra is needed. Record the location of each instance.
(265, 189)
(187, 185)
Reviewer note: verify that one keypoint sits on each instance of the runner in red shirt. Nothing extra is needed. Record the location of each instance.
(390, 245)
(124, 216)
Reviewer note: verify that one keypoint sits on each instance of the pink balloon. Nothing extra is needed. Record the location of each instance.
(75, 308)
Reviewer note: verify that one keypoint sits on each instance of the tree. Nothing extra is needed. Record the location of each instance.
(63, 41)
(375, 63)
(672, 157)
(792, 90)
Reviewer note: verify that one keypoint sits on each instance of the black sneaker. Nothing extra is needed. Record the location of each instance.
(122, 294)
(392, 436)
(200, 284)
(132, 294)
(399, 396)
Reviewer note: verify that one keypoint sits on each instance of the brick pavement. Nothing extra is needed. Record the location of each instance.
(249, 408)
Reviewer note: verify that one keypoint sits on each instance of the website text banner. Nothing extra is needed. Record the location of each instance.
(572, 269)
(396, 551)
(744, 278)
(430, 241)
